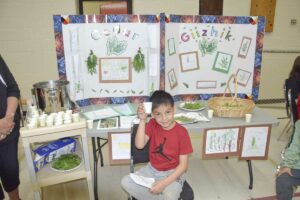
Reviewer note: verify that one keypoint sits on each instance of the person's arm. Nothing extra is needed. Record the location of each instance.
(13, 95)
(292, 153)
(141, 138)
(159, 186)
(12, 105)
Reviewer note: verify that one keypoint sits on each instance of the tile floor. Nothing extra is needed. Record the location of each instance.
(225, 179)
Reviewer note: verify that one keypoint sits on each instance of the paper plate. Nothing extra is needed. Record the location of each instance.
(68, 170)
(182, 106)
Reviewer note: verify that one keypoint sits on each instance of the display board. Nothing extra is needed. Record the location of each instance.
(200, 57)
(124, 58)
(107, 58)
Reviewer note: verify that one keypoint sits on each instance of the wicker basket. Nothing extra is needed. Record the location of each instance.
(230, 106)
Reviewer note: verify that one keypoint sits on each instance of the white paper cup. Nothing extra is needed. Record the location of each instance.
(42, 122)
(248, 118)
(89, 123)
(148, 107)
(75, 117)
(210, 113)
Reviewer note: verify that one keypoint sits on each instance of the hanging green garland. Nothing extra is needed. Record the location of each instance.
(91, 63)
(139, 61)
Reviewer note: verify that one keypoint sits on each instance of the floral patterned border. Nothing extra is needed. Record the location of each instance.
(60, 20)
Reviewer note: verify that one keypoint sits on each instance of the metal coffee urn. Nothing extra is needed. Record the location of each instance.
(52, 96)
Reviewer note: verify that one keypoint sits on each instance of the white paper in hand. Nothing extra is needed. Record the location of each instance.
(141, 180)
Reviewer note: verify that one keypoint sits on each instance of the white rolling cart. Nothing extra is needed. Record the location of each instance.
(46, 176)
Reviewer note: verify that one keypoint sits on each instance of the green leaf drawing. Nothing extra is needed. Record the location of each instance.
(185, 84)
(115, 47)
(224, 63)
(223, 84)
(208, 47)
(78, 87)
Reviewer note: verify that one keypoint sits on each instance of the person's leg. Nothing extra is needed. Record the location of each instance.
(10, 169)
(135, 190)
(285, 185)
(172, 191)
(138, 191)
(14, 195)
(1, 193)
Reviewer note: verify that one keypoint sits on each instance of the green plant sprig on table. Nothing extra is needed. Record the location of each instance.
(193, 105)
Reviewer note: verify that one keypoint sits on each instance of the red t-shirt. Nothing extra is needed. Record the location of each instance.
(166, 145)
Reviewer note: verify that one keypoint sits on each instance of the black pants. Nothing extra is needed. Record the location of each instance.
(1, 192)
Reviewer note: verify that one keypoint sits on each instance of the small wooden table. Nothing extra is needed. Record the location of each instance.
(46, 176)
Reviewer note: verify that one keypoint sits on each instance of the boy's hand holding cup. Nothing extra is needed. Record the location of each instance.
(143, 110)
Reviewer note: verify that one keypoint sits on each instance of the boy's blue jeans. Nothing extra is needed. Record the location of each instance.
(285, 184)
(171, 192)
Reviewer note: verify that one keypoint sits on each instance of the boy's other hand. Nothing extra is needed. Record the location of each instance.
(158, 187)
(141, 112)
(283, 170)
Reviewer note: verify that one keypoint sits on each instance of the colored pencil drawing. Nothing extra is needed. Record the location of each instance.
(244, 48)
(189, 61)
(171, 46)
(222, 62)
(255, 142)
(221, 142)
(172, 78)
(115, 70)
(243, 77)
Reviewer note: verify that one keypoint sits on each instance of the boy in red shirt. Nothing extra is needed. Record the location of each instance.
(169, 149)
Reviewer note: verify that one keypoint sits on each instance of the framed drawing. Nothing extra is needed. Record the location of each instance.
(206, 84)
(243, 77)
(172, 78)
(189, 61)
(221, 142)
(244, 47)
(115, 70)
(222, 62)
(119, 147)
(171, 46)
(108, 123)
(255, 142)
(90, 7)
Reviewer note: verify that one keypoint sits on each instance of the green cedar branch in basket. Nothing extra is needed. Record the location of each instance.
(231, 106)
